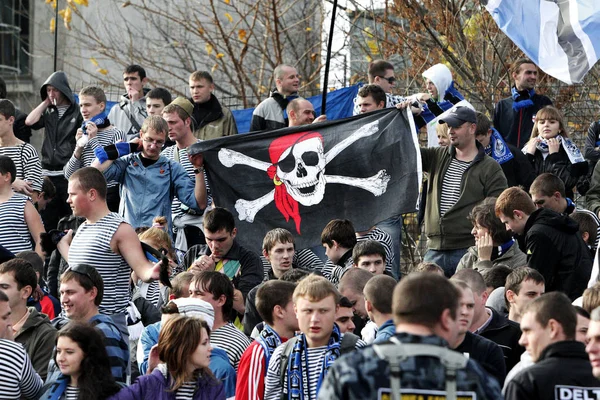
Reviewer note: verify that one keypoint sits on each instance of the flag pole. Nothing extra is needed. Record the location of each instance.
(56, 37)
(328, 59)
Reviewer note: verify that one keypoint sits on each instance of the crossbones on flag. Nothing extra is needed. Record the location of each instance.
(562, 37)
(365, 169)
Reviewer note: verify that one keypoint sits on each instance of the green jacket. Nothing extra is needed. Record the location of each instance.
(484, 178)
(513, 258)
(38, 336)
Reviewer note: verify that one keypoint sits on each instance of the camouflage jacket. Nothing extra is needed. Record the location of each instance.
(363, 375)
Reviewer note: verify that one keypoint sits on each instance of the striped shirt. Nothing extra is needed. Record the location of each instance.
(334, 272)
(232, 340)
(304, 259)
(71, 393)
(451, 184)
(62, 110)
(91, 246)
(27, 161)
(379, 235)
(181, 156)
(186, 391)
(17, 376)
(106, 137)
(14, 233)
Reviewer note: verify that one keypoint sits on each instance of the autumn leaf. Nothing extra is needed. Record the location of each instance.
(214, 67)
(94, 61)
(227, 1)
(220, 55)
(103, 71)
(209, 49)
(229, 17)
(242, 34)
(308, 29)
(126, 4)
(313, 57)
(52, 25)
(82, 2)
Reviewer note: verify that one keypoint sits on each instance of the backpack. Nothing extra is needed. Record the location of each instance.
(347, 345)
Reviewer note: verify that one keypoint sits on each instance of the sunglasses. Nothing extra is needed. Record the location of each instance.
(390, 80)
(84, 269)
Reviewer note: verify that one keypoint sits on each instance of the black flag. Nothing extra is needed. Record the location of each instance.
(364, 169)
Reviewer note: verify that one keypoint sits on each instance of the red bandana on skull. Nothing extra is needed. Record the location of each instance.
(285, 203)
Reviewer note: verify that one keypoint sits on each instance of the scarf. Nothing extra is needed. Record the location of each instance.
(101, 121)
(521, 98)
(297, 382)
(269, 340)
(498, 149)
(571, 149)
(503, 248)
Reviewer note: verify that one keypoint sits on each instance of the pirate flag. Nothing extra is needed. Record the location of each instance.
(364, 169)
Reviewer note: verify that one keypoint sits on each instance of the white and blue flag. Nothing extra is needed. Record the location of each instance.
(562, 37)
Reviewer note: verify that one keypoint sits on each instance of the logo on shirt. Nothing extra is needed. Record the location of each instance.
(421, 394)
(576, 393)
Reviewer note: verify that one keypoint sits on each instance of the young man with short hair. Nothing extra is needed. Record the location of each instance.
(370, 98)
(593, 345)
(523, 285)
(561, 369)
(149, 181)
(212, 120)
(130, 113)
(28, 180)
(552, 242)
(223, 254)
(307, 358)
(30, 328)
(378, 304)
(270, 113)
(96, 131)
(275, 305)
(345, 315)
(338, 238)
(301, 112)
(216, 288)
(370, 256)
(156, 100)
(81, 292)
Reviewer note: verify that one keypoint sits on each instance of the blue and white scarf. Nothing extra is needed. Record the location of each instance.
(498, 149)
(521, 98)
(571, 149)
(269, 340)
(298, 382)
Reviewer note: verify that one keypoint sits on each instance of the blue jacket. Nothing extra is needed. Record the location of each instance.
(219, 363)
(385, 331)
(148, 192)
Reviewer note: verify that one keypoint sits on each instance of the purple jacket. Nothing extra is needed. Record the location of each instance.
(156, 387)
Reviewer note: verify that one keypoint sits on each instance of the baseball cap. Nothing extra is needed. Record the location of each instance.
(185, 104)
(458, 116)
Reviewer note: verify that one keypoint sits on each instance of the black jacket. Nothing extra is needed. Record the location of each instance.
(506, 334)
(518, 170)
(563, 368)
(560, 165)
(59, 134)
(556, 250)
(487, 353)
(516, 126)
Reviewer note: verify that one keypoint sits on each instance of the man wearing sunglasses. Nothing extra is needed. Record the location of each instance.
(381, 73)
(150, 181)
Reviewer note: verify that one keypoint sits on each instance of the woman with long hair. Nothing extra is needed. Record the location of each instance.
(551, 150)
(184, 350)
(84, 366)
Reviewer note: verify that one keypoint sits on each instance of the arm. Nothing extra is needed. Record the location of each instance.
(32, 170)
(126, 243)
(273, 389)
(591, 149)
(592, 197)
(192, 194)
(42, 352)
(200, 191)
(35, 226)
(252, 367)
(30, 383)
(542, 257)
(35, 115)
(495, 182)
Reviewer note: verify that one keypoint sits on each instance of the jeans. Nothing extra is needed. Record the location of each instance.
(393, 227)
(447, 259)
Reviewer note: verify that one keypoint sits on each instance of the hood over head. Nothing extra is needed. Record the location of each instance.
(441, 77)
(58, 80)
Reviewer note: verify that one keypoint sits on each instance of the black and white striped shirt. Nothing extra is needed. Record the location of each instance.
(181, 156)
(17, 376)
(71, 393)
(381, 236)
(232, 340)
(27, 161)
(91, 246)
(186, 391)
(14, 233)
(106, 137)
(451, 184)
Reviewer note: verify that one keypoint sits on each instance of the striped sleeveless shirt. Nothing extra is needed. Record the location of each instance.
(14, 233)
(91, 246)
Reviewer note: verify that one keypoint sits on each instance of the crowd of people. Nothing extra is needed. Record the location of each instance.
(120, 278)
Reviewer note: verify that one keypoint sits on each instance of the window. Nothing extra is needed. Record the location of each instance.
(14, 37)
